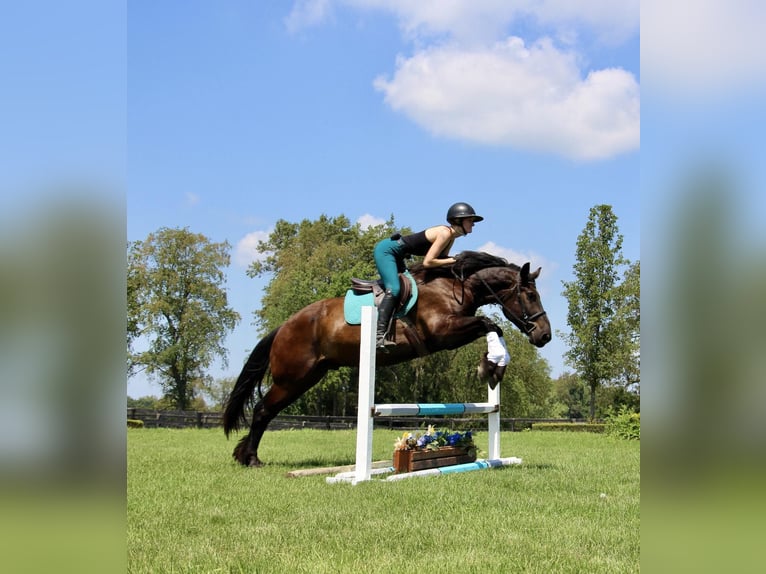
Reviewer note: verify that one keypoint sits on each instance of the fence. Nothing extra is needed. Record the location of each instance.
(201, 419)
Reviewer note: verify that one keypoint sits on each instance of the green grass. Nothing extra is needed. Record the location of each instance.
(191, 508)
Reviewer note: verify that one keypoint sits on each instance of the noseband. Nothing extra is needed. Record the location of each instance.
(526, 319)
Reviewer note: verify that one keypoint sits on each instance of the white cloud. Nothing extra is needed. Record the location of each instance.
(529, 98)
(513, 256)
(366, 221)
(192, 199)
(246, 250)
(307, 13)
(469, 80)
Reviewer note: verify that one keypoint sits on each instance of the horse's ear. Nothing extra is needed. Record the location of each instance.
(536, 274)
(525, 273)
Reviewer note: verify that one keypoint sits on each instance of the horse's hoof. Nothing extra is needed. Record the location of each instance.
(254, 462)
(486, 369)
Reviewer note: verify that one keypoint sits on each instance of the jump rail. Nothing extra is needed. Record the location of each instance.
(431, 409)
(367, 410)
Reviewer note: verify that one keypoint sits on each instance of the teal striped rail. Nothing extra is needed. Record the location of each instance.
(433, 409)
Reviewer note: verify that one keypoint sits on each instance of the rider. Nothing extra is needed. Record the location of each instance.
(433, 243)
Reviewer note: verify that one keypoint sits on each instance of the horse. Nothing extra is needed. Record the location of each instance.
(317, 338)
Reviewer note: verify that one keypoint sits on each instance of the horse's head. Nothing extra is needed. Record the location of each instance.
(522, 306)
(510, 286)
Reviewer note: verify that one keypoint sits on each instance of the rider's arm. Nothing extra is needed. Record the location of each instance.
(442, 241)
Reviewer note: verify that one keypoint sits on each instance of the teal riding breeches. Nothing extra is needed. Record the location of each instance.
(389, 259)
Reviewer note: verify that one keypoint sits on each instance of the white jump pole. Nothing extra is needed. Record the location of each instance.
(363, 468)
(493, 424)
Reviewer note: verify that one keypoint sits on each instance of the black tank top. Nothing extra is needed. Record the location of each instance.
(417, 243)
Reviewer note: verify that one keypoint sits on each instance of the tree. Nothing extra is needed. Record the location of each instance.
(597, 341)
(628, 319)
(178, 305)
(570, 394)
(216, 391)
(146, 402)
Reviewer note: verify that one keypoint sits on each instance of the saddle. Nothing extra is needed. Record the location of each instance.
(371, 291)
(375, 286)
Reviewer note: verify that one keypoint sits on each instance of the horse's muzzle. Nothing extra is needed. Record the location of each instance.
(544, 339)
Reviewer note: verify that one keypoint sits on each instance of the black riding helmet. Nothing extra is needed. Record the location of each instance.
(460, 211)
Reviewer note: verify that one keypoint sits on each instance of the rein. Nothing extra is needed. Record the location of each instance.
(526, 319)
(460, 278)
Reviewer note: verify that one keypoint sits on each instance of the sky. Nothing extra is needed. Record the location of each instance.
(241, 114)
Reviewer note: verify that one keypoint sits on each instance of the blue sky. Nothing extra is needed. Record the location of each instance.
(240, 114)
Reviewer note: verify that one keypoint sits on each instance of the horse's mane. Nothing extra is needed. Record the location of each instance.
(466, 264)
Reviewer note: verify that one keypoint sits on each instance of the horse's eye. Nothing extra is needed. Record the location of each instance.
(531, 297)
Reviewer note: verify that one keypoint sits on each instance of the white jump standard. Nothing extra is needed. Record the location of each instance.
(367, 410)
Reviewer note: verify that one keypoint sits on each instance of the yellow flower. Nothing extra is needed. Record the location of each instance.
(431, 430)
(401, 443)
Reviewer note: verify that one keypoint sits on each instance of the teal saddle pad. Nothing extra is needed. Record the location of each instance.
(352, 304)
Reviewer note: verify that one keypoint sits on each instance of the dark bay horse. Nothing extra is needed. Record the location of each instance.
(317, 338)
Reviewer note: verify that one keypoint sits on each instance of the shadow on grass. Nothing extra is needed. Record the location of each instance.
(317, 462)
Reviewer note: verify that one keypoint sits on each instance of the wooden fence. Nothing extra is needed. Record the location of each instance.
(199, 419)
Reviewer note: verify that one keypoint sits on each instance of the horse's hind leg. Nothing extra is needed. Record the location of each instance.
(278, 397)
(246, 451)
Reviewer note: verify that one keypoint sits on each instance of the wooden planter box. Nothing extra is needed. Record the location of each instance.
(411, 460)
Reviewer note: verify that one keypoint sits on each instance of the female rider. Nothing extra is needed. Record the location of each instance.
(432, 243)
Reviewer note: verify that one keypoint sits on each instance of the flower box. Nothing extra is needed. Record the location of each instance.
(419, 459)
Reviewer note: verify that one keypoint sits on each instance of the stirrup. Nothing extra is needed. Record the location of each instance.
(384, 345)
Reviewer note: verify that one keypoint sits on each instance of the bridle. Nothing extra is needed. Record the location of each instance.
(526, 320)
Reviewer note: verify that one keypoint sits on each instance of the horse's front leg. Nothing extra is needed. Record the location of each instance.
(492, 365)
(491, 326)
(459, 331)
(463, 330)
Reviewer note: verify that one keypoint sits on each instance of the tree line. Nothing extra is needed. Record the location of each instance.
(179, 315)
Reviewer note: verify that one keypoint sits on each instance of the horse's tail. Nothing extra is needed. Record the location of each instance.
(242, 394)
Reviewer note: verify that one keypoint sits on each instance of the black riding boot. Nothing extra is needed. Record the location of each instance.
(385, 314)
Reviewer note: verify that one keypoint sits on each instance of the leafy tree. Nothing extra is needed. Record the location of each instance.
(613, 398)
(215, 391)
(597, 341)
(147, 402)
(628, 320)
(571, 394)
(177, 302)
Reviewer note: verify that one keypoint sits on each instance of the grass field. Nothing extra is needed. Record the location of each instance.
(572, 506)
